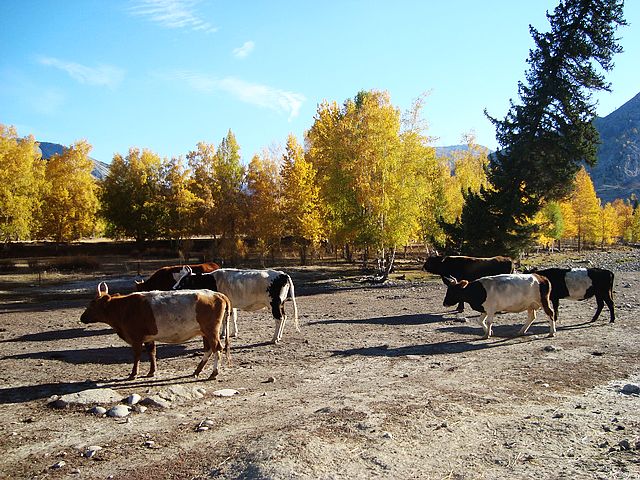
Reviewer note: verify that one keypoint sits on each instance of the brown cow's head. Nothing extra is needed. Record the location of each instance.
(95, 312)
(433, 264)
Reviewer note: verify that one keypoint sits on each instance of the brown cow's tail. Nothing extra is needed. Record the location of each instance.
(545, 294)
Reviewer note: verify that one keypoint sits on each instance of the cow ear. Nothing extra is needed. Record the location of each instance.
(463, 283)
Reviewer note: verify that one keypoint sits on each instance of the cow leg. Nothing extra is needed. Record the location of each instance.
(599, 309)
(552, 326)
(485, 328)
(460, 308)
(137, 351)
(150, 347)
(556, 307)
(277, 334)
(235, 323)
(609, 301)
(531, 318)
(205, 356)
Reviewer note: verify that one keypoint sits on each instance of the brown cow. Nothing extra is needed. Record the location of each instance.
(171, 317)
(165, 277)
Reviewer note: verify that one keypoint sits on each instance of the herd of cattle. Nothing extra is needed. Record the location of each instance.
(179, 303)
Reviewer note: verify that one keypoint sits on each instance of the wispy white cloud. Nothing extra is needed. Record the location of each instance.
(102, 75)
(171, 14)
(244, 50)
(252, 93)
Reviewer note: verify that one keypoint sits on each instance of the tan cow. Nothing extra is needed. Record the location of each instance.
(144, 318)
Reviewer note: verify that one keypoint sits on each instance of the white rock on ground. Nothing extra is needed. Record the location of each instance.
(119, 411)
(98, 411)
(133, 399)
(86, 397)
(226, 392)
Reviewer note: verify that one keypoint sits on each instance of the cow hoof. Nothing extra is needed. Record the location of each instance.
(551, 335)
(132, 377)
(151, 374)
(485, 337)
(213, 375)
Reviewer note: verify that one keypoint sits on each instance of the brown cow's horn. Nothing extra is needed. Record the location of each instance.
(106, 289)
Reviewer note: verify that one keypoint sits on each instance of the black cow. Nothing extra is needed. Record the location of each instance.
(580, 284)
(467, 268)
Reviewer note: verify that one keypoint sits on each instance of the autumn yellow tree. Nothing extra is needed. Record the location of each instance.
(262, 218)
(132, 195)
(70, 204)
(21, 185)
(204, 186)
(228, 214)
(624, 216)
(551, 224)
(469, 165)
(180, 204)
(586, 208)
(301, 208)
(367, 173)
(608, 225)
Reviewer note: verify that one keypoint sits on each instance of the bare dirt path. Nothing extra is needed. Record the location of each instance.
(381, 382)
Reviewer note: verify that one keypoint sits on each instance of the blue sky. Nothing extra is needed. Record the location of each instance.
(166, 74)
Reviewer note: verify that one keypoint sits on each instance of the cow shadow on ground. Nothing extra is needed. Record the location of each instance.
(416, 319)
(66, 334)
(107, 355)
(27, 393)
(429, 349)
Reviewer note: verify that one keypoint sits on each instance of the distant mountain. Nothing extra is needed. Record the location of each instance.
(100, 169)
(448, 151)
(617, 173)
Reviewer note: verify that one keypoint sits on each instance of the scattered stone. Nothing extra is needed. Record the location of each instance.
(604, 444)
(597, 354)
(75, 471)
(226, 392)
(624, 445)
(58, 465)
(552, 348)
(139, 408)
(155, 401)
(86, 397)
(149, 444)
(119, 411)
(270, 380)
(325, 410)
(387, 435)
(207, 423)
(202, 428)
(91, 451)
(631, 389)
(558, 415)
(98, 411)
(133, 399)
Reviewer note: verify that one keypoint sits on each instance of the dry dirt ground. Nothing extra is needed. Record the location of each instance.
(381, 382)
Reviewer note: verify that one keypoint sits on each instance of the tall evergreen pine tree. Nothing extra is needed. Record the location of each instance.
(544, 140)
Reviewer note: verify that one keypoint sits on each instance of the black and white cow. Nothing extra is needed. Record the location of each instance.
(580, 284)
(510, 293)
(462, 267)
(248, 290)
